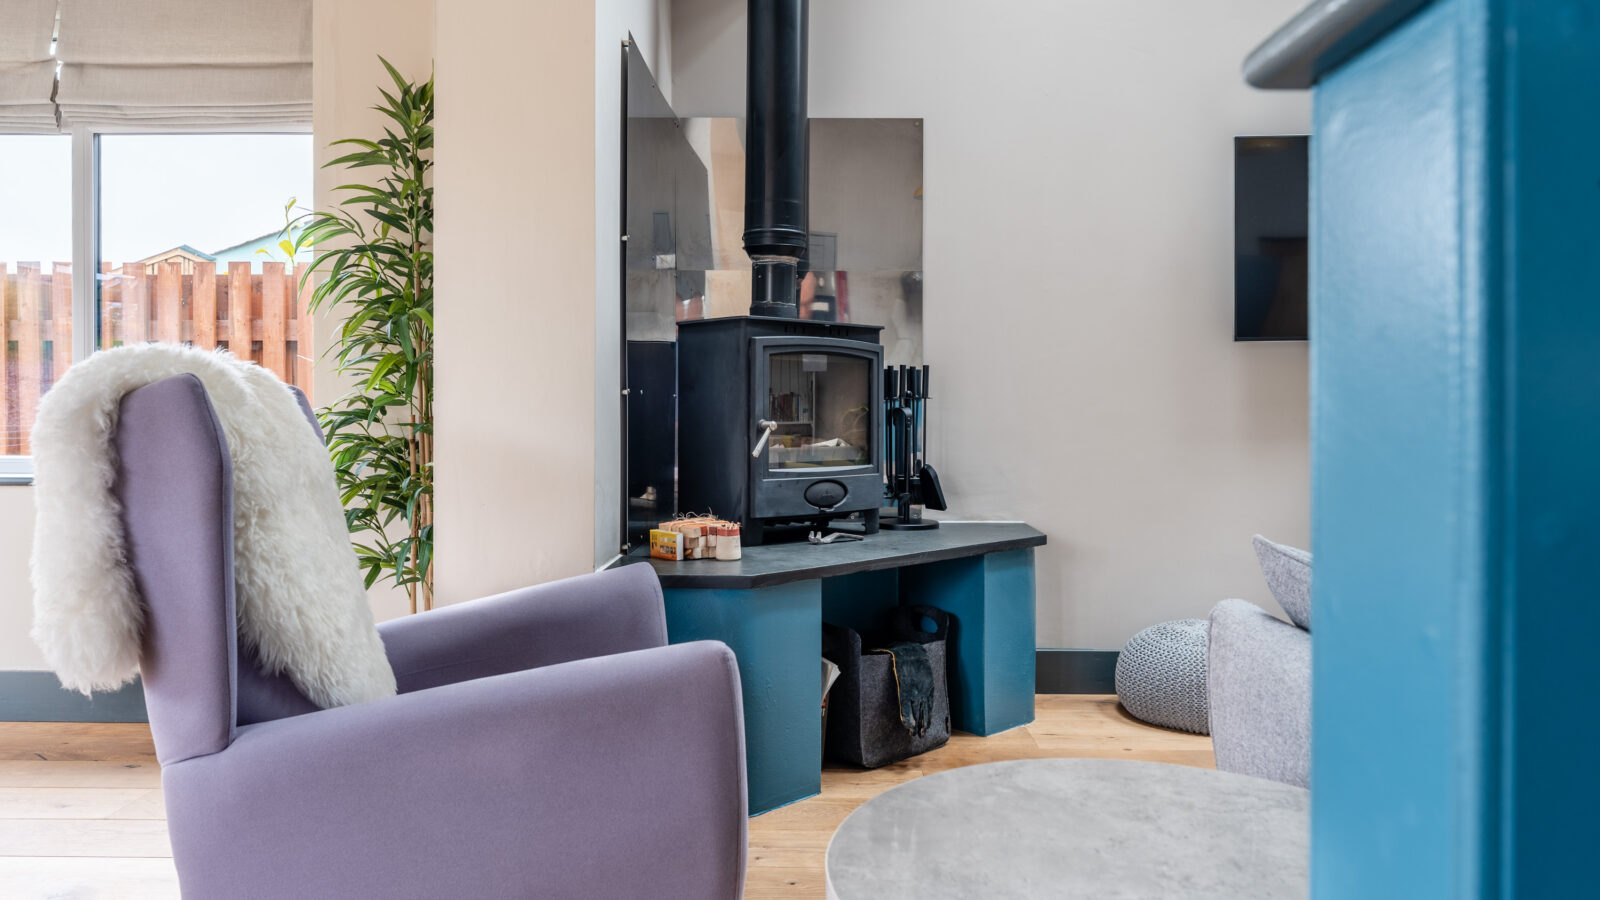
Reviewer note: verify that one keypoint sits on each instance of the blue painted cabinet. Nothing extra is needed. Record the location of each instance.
(775, 632)
(770, 631)
(1456, 455)
(992, 648)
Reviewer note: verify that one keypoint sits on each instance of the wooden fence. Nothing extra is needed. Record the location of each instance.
(259, 316)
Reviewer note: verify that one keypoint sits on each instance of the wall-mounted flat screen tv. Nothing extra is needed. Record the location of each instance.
(1270, 186)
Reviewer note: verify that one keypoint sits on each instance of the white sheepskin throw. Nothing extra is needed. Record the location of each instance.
(299, 594)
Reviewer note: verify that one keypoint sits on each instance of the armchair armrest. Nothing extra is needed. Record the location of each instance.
(1258, 681)
(591, 615)
(614, 777)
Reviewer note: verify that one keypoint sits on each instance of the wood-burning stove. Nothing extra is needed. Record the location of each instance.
(780, 421)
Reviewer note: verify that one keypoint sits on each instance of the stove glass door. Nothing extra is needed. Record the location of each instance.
(821, 404)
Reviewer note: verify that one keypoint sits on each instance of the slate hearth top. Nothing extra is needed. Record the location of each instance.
(772, 564)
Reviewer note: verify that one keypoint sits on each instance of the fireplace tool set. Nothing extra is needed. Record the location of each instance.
(910, 484)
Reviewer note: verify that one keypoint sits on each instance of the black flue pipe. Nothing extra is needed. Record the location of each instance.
(777, 154)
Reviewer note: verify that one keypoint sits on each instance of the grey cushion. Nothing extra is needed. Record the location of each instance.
(1260, 689)
(1288, 573)
(1161, 675)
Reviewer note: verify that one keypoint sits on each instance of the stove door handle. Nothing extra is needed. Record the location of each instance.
(767, 427)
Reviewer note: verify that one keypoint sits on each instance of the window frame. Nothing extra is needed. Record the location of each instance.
(85, 201)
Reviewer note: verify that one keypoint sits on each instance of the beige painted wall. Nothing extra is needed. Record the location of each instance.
(527, 294)
(514, 294)
(1078, 295)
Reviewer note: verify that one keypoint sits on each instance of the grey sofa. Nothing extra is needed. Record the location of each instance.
(544, 743)
(1258, 679)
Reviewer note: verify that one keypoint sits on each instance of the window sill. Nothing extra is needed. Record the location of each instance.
(16, 470)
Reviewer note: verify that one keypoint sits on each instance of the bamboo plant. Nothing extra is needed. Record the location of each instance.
(374, 253)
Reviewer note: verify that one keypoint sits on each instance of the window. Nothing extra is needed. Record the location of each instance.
(35, 278)
(185, 241)
(190, 232)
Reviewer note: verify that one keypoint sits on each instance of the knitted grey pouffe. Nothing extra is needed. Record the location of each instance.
(1161, 675)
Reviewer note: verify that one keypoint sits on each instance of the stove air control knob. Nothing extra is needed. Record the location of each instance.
(825, 495)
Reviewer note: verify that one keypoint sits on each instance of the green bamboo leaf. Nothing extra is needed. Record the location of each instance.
(371, 261)
(356, 160)
(358, 142)
(391, 220)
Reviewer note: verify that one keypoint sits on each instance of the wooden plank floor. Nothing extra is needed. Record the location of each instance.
(81, 813)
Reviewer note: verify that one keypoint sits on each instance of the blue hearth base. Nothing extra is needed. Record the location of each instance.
(775, 630)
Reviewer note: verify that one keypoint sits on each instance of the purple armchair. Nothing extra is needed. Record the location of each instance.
(545, 743)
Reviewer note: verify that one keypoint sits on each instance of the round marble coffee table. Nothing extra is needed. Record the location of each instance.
(1100, 828)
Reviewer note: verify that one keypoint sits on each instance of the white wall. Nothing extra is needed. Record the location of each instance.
(16, 597)
(1078, 296)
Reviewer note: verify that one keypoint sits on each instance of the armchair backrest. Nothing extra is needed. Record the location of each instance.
(175, 485)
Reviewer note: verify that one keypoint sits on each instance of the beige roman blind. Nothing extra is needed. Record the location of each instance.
(206, 63)
(27, 71)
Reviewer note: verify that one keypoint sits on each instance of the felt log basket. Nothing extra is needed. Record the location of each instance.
(864, 724)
